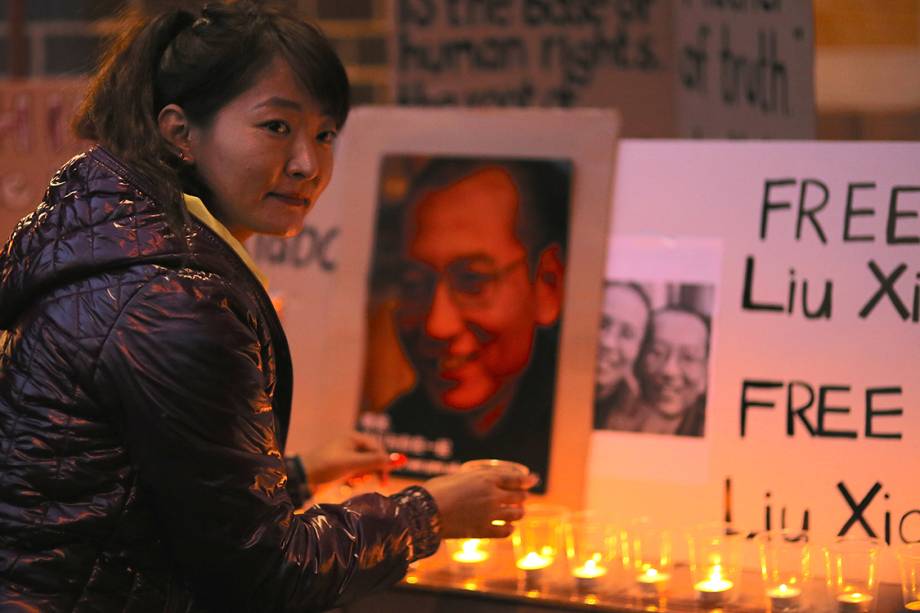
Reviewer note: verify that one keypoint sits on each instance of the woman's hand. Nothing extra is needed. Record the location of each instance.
(469, 502)
(349, 456)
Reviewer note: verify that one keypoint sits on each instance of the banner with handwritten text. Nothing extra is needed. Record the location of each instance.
(812, 401)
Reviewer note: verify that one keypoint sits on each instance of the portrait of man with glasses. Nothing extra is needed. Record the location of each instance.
(475, 284)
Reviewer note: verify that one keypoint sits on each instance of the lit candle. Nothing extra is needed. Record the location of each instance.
(651, 581)
(854, 602)
(469, 555)
(533, 564)
(784, 597)
(587, 576)
(713, 590)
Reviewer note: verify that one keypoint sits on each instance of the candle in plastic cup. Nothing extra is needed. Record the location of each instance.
(537, 541)
(715, 562)
(713, 590)
(909, 563)
(854, 602)
(784, 597)
(533, 565)
(785, 564)
(651, 581)
(851, 569)
(470, 552)
(588, 576)
(467, 555)
(590, 549)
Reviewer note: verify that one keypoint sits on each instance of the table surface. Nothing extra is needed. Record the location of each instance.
(435, 586)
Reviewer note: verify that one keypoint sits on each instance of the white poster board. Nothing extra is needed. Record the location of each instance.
(301, 272)
(586, 137)
(817, 305)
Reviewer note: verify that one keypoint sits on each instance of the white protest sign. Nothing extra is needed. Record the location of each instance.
(745, 69)
(700, 68)
(813, 403)
(301, 272)
(608, 53)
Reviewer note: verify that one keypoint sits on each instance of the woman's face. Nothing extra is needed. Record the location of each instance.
(622, 327)
(266, 156)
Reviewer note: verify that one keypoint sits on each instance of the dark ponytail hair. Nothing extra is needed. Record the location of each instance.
(200, 63)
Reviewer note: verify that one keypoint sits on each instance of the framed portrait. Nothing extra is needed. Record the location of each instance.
(467, 291)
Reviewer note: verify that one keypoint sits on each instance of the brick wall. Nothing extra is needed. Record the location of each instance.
(358, 29)
(61, 36)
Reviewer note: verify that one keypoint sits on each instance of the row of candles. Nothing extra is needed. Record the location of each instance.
(551, 544)
(600, 558)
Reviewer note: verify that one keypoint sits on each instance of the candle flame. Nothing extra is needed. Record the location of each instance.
(651, 575)
(716, 582)
(533, 561)
(784, 591)
(590, 570)
(470, 553)
(855, 598)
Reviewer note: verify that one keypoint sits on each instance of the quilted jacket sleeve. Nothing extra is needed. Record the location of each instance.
(183, 370)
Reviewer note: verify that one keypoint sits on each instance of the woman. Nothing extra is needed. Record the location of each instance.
(145, 381)
(624, 320)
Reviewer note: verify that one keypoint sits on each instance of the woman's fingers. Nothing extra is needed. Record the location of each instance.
(499, 532)
(502, 523)
(508, 514)
(366, 442)
(511, 498)
(482, 504)
(508, 481)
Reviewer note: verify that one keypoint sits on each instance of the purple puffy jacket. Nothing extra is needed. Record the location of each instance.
(145, 391)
